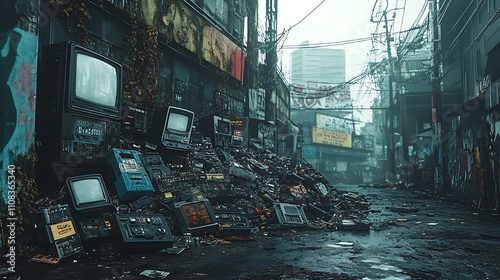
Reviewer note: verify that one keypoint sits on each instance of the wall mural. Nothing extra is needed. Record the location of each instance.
(175, 20)
(18, 58)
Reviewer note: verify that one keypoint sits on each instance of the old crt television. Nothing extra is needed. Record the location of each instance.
(78, 104)
(136, 119)
(196, 217)
(171, 128)
(216, 128)
(222, 125)
(88, 193)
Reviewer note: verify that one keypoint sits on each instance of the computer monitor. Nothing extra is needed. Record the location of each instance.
(88, 193)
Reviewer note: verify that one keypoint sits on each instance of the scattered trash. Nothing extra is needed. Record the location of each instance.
(341, 244)
(45, 259)
(155, 274)
(173, 250)
(401, 209)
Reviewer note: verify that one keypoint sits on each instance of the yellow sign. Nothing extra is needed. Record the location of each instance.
(327, 137)
(216, 176)
(62, 230)
(236, 123)
(168, 195)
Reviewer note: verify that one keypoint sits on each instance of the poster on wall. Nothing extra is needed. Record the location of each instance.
(266, 132)
(257, 103)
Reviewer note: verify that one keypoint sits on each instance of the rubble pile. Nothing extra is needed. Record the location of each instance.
(210, 196)
(258, 183)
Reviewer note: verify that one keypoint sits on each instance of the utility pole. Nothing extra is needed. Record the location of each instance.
(436, 97)
(253, 37)
(271, 62)
(271, 55)
(390, 153)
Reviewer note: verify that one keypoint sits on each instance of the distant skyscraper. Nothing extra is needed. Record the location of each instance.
(317, 65)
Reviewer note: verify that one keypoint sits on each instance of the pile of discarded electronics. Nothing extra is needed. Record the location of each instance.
(228, 193)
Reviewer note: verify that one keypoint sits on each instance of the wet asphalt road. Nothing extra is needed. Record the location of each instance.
(434, 238)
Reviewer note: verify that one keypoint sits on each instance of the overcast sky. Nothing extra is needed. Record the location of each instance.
(334, 21)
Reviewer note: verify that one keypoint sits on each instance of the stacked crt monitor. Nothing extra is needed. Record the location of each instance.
(78, 104)
(88, 192)
(171, 128)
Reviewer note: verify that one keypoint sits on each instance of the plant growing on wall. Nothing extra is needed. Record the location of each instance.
(77, 16)
(27, 191)
(140, 64)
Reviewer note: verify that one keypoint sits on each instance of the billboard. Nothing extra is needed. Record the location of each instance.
(334, 123)
(320, 96)
(327, 137)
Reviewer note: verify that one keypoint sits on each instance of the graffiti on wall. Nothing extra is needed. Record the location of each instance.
(466, 157)
(17, 82)
(453, 154)
(266, 132)
(462, 165)
(492, 159)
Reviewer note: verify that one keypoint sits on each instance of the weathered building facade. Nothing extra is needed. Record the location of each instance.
(188, 54)
(468, 138)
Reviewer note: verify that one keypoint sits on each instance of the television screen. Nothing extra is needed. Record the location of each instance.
(223, 127)
(96, 80)
(177, 122)
(196, 214)
(88, 191)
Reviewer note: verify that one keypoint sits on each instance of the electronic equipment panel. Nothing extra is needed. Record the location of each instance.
(80, 140)
(156, 168)
(95, 230)
(233, 223)
(290, 215)
(58, 231)
(136, 120)
(132, 181)
(236, 141)
(142, 231)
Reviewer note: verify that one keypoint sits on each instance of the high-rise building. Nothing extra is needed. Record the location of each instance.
(317, 65)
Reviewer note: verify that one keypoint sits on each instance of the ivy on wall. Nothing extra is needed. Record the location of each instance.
(27, 192)
(77, 16)
(140, 64)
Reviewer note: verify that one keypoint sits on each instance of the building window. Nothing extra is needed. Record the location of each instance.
(414, 65)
